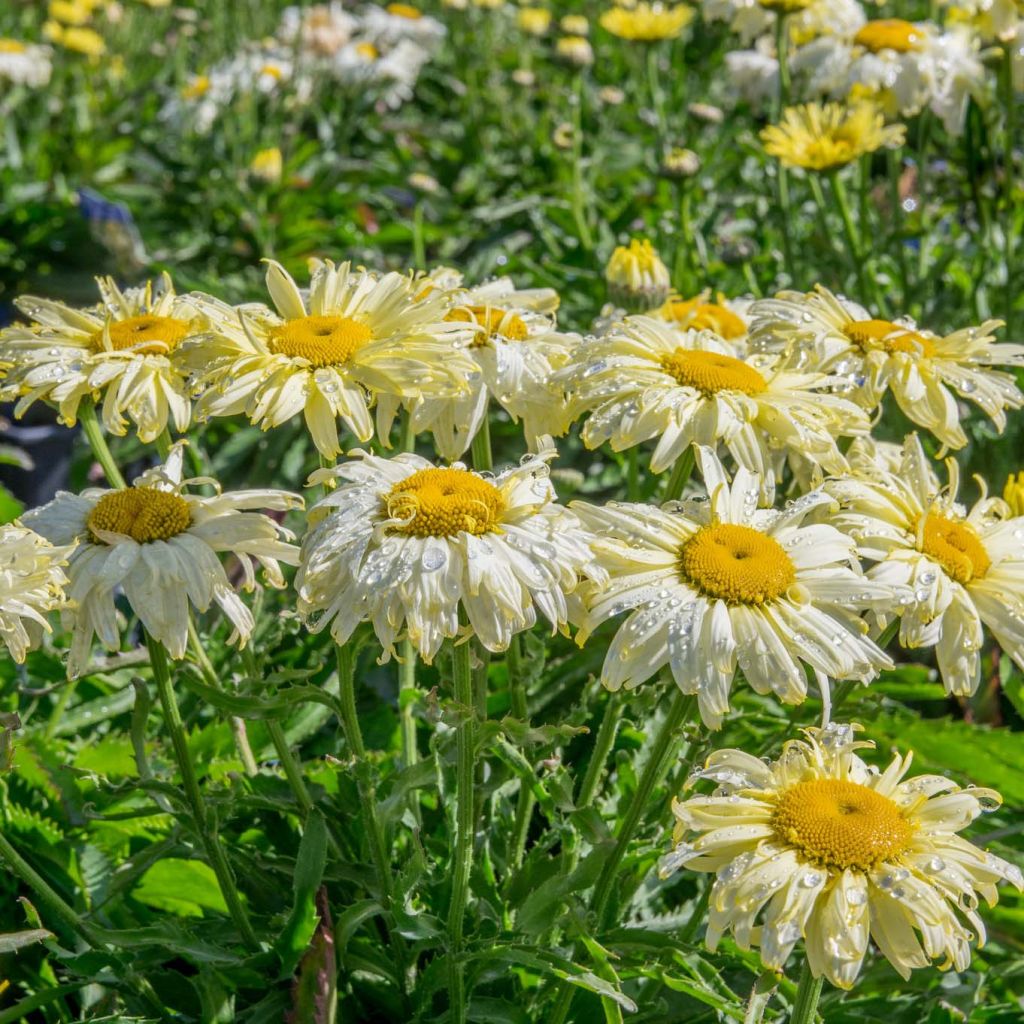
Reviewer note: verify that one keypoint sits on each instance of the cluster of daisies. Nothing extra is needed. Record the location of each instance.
(377, 50)
(787, 567)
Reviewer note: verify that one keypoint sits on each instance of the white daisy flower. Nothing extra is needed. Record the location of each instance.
(823, 847)
(645, 380)
(32, 583)
(159, 545)
(123, 351)
(962, 568)
(25, 63)
(715, 584)
(398, 22)
(819, 331)
(411, 547)
(321, 30)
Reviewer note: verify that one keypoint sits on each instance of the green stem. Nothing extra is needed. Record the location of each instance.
(603, 743)
(292, 770)
(633, 474)
(408, 694)
(853, 241)
(808, 992)
(680, 475)
(419, 252)
(20, 867)
(214, 851)
(782, 55)
(894, 166)
(97, 442)
(654, 86)
(163, 443)
(781, 173)
(1009, 180)
(579, 204)
(465, 739)
(483, 457)
(520, 709)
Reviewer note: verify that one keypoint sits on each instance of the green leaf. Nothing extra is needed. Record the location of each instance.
(187, 888)
(309, 871)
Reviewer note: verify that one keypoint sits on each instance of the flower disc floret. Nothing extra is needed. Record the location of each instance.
(705, 316)
(711, 372)
(445, 502)
(143, 513)
(149, 333)
(889, 34)
(737, 564)
(490, 321)
(320, 340)
(840, 824)
(888, 337)
(956, 546)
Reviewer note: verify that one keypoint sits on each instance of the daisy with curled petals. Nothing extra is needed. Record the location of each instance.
(829, 333)
(962, 568)
(406, 545)
(819, 845)
(516, 346)
(715, 584)
(645, 380)
(122, 350)
(725, 317)
(357, 336)
(160, 545)
(32, 583)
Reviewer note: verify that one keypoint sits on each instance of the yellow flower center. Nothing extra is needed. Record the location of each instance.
(11, 46)
(272, 71)
(955, 546)
(149, 334)
(444, 502)
(320, 340)
(711, 372)
(493, 321)
(840, 824)
(736, 564)
(404, 11)
(889, 34)
(706, 316)
(367, 50)
(142, 513)
(890, 337)
(199, 86)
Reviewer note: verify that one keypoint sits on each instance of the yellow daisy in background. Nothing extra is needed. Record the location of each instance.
(821, 846)
(160, 545)
(822, 138)
(728, 318)
(32, 583)
(961, 568)
(122, 350)
(647, 22)
(823, 332)
(516, 346)
(715, 584)
(406, 544)
(646, 380)
(329, 356)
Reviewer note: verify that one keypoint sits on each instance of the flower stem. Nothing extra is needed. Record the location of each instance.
(214, 851)
(1009, 182)
(853, 242)
(603, 743)
(520, 710)
(97, 442)
(465, 739)
(680, 475)
(408, 694)
(483, 457)
(805, 1003)
(781, 173)
(579, 205)
(633, 474)
(20, 867)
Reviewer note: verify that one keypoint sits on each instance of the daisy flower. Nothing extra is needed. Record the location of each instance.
(715, 584)
(829, 333)
(516, 347)
(822, 138)
(159, 545)
(752, 18)
(25, 63)
(398, 22)
(962, 568)
(328, 356)
(32, 583)
(122, 350)
(408, 545)
(647, 22)
(821, 846)
(645, 380)
(728, 318)
(321, 30)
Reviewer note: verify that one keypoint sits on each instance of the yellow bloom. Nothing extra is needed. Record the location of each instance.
(81, 40)
(72, 12)
(1013, 493)
(121, 352)
(647, 22)
(357, 336)
(534, 20)
(818, 845)
(700, 314)
(267, 165)
(575, 25)
(575, 49)
(821, 138)
(636, 276)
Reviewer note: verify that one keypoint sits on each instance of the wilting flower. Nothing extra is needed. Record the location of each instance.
(821, 846)
(357, 336)
(647, 22)
(713, 584)
(645, 380)
(824, 332)
(159, 544)
(822, 138)
(636, 276)
(122, 351)
(407, 545)
(962, 569)
(32, 583)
